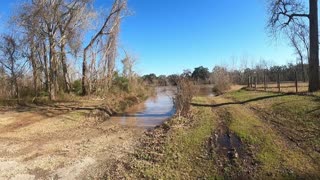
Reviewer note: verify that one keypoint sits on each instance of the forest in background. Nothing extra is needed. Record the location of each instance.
(58, 46)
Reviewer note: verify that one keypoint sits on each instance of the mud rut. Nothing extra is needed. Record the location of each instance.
(233, 157)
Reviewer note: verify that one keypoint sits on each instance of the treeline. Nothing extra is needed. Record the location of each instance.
(223, 75)
(63, 46)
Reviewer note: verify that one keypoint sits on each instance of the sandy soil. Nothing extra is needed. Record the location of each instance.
(56, 144)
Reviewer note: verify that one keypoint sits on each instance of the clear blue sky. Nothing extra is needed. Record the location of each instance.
(168, 36)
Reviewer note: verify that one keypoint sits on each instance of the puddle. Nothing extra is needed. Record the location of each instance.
(228, 144)
(152, 112)
(205, 90)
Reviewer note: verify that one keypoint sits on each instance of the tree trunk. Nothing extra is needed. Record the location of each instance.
(53, 71)
(296, 80)
(303, 72)
(84, 73)
(302, 68)
(34, 71)
(278, 82)
(264, 81)
(46, 70)
(314, 84)
(65, 69)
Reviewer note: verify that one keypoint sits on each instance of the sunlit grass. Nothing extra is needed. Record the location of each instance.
(294, 118)
(184, 149)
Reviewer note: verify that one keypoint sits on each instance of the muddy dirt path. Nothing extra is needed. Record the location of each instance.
(241, 160)
(62, 145)
(233, 157)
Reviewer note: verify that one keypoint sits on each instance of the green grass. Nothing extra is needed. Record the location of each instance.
(291, 113)
(267, 145)
(243, 95)
(264, 126)
(184, 149)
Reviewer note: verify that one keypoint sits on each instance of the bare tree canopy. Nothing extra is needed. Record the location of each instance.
(298, 36)
(288, 14)
(12, 61)
(54, 32)
(107, 36)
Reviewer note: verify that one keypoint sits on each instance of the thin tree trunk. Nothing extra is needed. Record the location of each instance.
(34, 71)
(278, 82)
(264, 81)
(65, 69)
(255, 83)
(46, 69)
(302, 71)
(314, 84)
(296, 80)
(53, 70)
(84, 73)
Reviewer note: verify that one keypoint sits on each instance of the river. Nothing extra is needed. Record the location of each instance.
(155, 110)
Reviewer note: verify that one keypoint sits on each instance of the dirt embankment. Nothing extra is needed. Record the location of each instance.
(63, 142)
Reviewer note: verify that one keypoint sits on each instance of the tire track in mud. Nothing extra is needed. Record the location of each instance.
(233, 157)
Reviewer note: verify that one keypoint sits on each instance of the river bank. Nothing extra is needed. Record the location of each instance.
(239, 135)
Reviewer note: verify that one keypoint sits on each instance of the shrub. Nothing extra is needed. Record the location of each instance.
(121, 83)
(77, 87)
(185, 92)
(221, 80)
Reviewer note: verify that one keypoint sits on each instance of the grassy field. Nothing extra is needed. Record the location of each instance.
(242, 134)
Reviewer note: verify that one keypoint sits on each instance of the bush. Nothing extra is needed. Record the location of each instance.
(121, 83)
(221, 80)
(185, 92)
(77, 87)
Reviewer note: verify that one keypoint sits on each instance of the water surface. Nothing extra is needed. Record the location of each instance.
(155, 110)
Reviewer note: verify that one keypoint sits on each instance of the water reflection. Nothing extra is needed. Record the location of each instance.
(156, 109)
(152, 112)
(205, 90)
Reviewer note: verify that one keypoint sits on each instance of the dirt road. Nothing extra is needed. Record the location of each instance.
(53, 144)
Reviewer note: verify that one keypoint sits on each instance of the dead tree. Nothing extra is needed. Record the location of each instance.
(128, 63)
(298, 36)
(53, 28)
(11, 60)
(105, 30)
(286, 13)
(73, 19)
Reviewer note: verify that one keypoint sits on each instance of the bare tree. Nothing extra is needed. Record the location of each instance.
(72, 21)
(285, 13)
(298, 36)
(221, 79)
(109, 28)
(128, 63)
(52, 29)
(10, 58)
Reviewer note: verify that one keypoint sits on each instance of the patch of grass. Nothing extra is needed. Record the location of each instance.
(243, 95)
(76, 115)
(294, 116)
(184, 149)
(276, 157)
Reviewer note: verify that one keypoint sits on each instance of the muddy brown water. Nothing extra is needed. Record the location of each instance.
(155, 110)
(205, 90)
